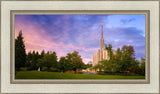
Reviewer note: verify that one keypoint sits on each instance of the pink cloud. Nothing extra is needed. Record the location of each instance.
(36, 39)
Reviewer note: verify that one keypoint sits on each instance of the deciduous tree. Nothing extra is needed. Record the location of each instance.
(49, 60)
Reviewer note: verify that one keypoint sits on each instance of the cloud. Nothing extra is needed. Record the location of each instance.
(67, 33)
(126, 21)
(126, 36)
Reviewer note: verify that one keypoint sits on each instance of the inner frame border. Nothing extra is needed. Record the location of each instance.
(80, 81)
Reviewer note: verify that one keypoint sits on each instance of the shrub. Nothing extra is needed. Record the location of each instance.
(44, 69)
(54, 69)
(23, 69)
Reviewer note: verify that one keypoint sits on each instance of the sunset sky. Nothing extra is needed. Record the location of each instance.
(66, 33)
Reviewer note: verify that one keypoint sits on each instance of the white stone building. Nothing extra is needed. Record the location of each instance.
(102, 54)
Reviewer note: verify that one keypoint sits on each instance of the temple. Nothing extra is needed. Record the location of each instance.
(102, 54)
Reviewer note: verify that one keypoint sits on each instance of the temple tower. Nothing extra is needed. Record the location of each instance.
(101, 44)
(102, 54)
(102, 40)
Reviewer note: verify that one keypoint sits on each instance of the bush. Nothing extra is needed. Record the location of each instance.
(23, 69)
(54, 69)
(29, 68)
(44, 69)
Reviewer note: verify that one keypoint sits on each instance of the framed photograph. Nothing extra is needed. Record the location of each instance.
(79, 46)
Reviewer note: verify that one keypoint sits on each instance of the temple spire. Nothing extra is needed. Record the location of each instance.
(102, 40)
(102, 30)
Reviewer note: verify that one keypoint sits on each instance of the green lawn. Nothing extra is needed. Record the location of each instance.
(56, 75)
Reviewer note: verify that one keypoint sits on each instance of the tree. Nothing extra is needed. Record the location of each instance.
(111, 65)
(142, 66)
(29, 60)
(64, 65)
(42, 53)
(123, 60)
(35, 57)
(134, 68)
(109, 49)
(69, 60)
(49, 60)
(32, 60)
(118, 59)
(127, 57)
(88, 65)
(108, 66)
(76, 61)
(20, 53)
(100, 66)
(61, 63)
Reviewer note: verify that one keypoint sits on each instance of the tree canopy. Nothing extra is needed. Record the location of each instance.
(48, 60)
(20, 53)
(123, 60)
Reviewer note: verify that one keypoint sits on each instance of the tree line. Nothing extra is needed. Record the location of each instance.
(121, 60)
(47, 61)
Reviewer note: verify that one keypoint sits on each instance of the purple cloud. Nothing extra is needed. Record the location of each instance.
(66, 33)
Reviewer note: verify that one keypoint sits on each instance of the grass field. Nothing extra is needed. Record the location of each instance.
(56, 75)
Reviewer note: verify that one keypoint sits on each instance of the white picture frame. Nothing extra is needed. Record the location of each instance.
(8, 87)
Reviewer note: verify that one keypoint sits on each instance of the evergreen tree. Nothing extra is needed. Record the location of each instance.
(35, 57)
(32, 59)
(29, 60)
(42, 53)
(20, 53)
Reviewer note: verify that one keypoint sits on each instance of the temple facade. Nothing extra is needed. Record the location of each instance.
(102, 54)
